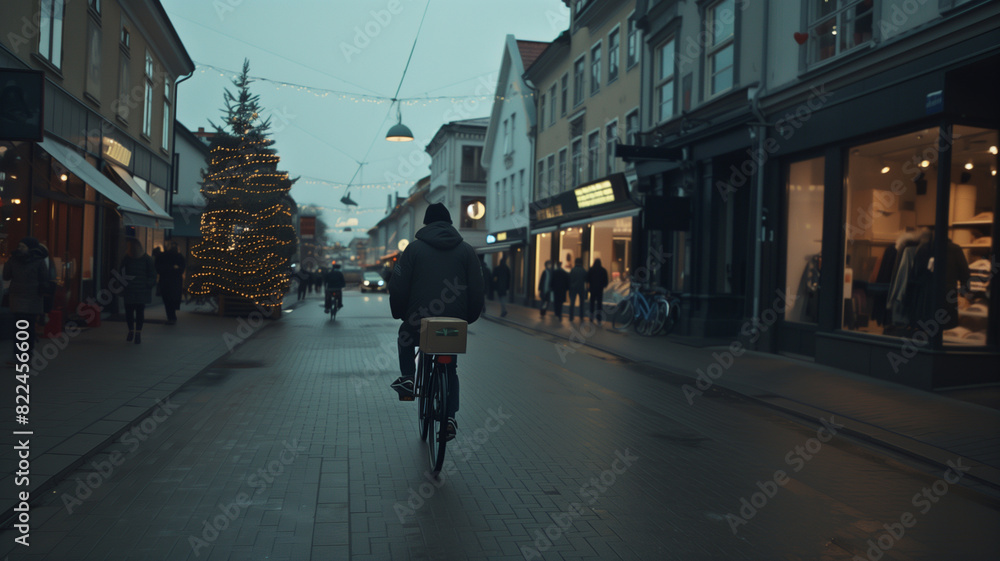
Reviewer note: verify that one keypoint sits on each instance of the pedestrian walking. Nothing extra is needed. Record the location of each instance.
(170, 268)
(501, 283)
(577, 287)
(140, 271)
(559, 286)
(545, 287)
(597, 279)
(303, 276)
(28, 278)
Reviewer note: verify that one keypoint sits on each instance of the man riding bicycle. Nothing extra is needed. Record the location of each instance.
(335, 283)
(437, 275)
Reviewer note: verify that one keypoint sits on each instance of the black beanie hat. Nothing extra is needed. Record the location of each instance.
(437, 212)
(30, 242)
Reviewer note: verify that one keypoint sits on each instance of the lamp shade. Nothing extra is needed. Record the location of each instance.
(399, 133)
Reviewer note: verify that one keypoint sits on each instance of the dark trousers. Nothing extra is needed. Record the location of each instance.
(597, 301)
(407, 341)
(32, 320)
(171, 305)
(135, 315)
(573, 296)
(332, 295)
(302, 289)
(558, 298)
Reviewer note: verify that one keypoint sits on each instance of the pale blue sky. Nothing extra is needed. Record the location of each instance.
(321, 135)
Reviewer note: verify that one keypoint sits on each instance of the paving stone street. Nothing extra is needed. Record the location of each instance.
(293, 447)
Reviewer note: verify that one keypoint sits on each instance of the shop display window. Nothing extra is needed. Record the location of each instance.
(891, 191)
(804, 240)
(543, 253)
(611, 242)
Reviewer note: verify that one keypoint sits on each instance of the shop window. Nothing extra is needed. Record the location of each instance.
(543, 253)
(804, 240)
(837, 26)
(891, 195)
(611, 242)
(972, 231)
(50, 30)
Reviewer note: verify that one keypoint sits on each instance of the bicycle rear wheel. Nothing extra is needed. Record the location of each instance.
(419, 386)
(437, 415)
(657, 317)
(623, 315)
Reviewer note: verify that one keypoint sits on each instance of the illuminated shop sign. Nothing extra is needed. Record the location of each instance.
(113, 150)
(502, 236)
(594, 194)
(554, 211)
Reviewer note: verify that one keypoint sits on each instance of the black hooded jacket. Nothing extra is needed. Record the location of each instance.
(437, 275)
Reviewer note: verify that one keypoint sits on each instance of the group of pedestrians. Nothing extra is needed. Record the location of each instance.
(555, 282)
(165, 270)
(310, 281)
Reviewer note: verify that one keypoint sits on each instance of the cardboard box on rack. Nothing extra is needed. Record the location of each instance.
(443, 335)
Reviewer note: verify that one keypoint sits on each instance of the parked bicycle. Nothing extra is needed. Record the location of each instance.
(650, 312)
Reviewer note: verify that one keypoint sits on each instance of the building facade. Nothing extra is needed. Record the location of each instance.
(99, 79)
(586, 85)
(508, 158)
(881, 167)
(457, 179)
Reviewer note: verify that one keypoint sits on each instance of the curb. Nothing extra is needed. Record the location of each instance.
(895, 442)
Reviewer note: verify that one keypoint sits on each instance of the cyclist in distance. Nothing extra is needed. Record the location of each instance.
(335, 283)
(438, 275)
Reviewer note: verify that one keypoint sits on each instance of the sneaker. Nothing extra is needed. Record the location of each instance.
(404, 387)
(451, 429)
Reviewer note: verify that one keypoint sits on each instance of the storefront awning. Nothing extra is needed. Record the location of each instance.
(625, 214)
(131, 210)
(545, 230)
(156, 212)
(498, 247)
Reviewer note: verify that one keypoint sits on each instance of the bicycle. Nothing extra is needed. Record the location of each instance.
(436, 352)
(334, 302)
(650, 315)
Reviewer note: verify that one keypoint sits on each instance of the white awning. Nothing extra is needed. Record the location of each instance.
(164, 219)
(131, 210)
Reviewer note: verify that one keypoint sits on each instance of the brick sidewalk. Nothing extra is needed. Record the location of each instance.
(93, 385)
(923, 425)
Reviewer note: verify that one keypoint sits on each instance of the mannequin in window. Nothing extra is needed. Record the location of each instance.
(956, 274)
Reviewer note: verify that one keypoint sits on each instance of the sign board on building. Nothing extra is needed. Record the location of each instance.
(307, 227)
(21, 102)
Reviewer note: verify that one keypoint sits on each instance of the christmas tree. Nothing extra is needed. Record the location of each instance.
(247, 231)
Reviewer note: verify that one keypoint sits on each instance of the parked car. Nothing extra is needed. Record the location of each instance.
(374, 282)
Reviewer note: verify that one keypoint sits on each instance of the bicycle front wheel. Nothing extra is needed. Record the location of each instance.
(623, 315)
(658, 316)
(437, 416)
